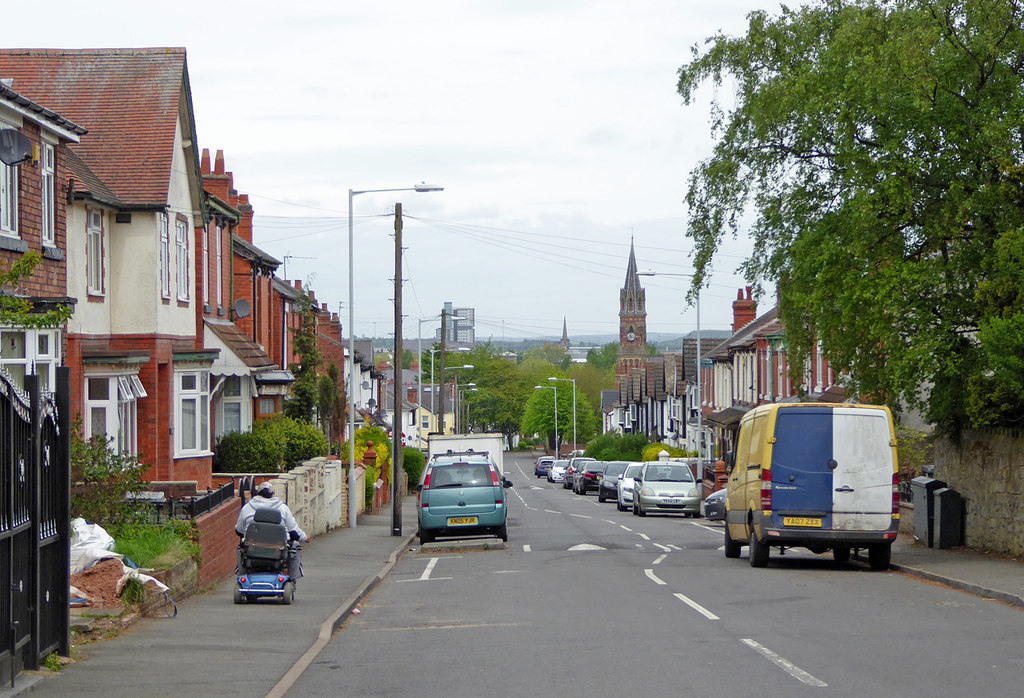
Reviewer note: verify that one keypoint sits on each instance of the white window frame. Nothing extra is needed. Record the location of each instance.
(234, 402)
(181, 257)
(206, 265)
(191, 388)
(49, 201)
(163, 234)
(120, 410)
(94, 251)
(8, 200)
(40, 355)
(217, 245)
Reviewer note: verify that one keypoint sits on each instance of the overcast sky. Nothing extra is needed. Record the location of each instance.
(554, 127)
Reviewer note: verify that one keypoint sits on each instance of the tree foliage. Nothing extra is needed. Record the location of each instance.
(874, 153)
(18, 311)
(305, 391)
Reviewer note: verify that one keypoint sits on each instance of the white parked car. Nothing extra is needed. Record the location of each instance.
(557, 471)
(625, 486)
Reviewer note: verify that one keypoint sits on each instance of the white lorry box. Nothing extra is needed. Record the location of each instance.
(492, 444)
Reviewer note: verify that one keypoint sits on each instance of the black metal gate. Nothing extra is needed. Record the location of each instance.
(35, 477)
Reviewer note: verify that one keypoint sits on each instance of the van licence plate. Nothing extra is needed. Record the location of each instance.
(805, 521)
(462, 521)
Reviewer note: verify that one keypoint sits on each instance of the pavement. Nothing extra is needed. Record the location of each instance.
(214, 647)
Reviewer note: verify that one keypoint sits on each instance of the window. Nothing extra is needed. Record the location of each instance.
(231, 404)
(206, 265)
(49, 204)
(219, 291)
(192, 414)
(181, 249)
(165, 255)
(26, 352)
(425, 421)
(268, 405)
(111, 410)
(8, 199)
(94, 252)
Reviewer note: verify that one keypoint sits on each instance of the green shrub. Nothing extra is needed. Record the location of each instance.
(613, 446)
(413, 463)
(160, 545)
(251, 452)
(651, 451)
(102, 479)
(298, 440)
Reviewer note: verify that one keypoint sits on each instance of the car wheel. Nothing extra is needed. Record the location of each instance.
(640, 510)
(732, 547)
(239, 596)
(879, 556)
(600, 497)
(634, 508)
(426, 537)
(618, 504)
(758, 551)
(841, 553)
(288, 594)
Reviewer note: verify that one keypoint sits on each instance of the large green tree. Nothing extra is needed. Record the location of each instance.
(873, 151)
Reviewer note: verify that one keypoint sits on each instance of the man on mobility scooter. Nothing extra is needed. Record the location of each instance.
(269, 559)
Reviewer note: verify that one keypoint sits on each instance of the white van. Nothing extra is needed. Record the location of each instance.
(819, 476)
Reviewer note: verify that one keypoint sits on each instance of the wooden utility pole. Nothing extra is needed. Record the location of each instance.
(396, 422)
(440, 383)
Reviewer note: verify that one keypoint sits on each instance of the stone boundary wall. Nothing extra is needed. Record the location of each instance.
(987, 469)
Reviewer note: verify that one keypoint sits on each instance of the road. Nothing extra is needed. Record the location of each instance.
(589, 601)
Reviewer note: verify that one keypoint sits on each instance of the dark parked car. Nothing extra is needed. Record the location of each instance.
(543, 466)
(714, 506)
(574, 464)
(586, 477)
(608, 487)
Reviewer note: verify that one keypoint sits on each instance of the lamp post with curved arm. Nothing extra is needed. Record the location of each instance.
(352, 193)
(573, 381)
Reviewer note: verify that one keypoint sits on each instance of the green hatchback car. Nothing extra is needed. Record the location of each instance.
(462, 495)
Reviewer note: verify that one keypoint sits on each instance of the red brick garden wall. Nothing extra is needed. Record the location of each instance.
(218, 541)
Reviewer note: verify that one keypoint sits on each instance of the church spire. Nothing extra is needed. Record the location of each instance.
(631, 297)
(565, 335)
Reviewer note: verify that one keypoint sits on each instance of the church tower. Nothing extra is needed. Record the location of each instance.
(632, 321)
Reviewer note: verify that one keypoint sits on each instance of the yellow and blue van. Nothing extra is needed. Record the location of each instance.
(819, 476)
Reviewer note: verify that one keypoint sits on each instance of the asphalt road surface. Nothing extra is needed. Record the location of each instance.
(588, 601)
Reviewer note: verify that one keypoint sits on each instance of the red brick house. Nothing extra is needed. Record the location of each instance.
(139, 370)
(33, 219)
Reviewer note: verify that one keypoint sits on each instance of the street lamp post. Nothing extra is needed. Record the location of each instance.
(573, 381)
(352, 193)
(419, 377)
(700, 406)
(555, 388)
(458, 368)
(467, 388)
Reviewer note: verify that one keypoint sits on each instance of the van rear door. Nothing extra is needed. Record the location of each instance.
(862, 480)
(801, 477)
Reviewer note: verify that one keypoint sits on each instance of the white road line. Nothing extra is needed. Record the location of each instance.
(659, 560)
(697, 607)
(644, 536)
(626, 528)
(527, 548)
(706, 528)
(551, 511)
(675, 547)
(784, 664)
(609, 521)
(663, 547)
(650, 574)
(425, 577)
(581, 516)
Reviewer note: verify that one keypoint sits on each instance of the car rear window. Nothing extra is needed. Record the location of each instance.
(669, 473)
(595, 467)
(461, 475)
(615, 469)
(632, 471)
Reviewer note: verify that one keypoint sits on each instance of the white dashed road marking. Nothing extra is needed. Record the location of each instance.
(659, 560)
(650, 574)
(425, 577)
(697, 607)
(787, 666)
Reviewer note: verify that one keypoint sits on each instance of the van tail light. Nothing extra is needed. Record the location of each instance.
(426, 479)
(895, 495)
(494, 477)
(766, 490)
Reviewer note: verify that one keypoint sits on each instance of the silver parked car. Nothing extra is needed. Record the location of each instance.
(666, 487)
(625, 486)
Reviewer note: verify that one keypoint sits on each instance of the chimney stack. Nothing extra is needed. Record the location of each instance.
(744, 310)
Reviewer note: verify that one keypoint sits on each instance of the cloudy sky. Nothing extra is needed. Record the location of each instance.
(554, 127)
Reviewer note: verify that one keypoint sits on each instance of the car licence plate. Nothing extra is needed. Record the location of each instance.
(805, 521)
(462, 521)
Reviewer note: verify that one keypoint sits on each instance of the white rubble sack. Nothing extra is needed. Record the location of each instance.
(89, 543)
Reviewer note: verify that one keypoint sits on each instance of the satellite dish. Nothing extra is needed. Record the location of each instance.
(366, 385)
(15, 147)
(371, 403)
(242, 308)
